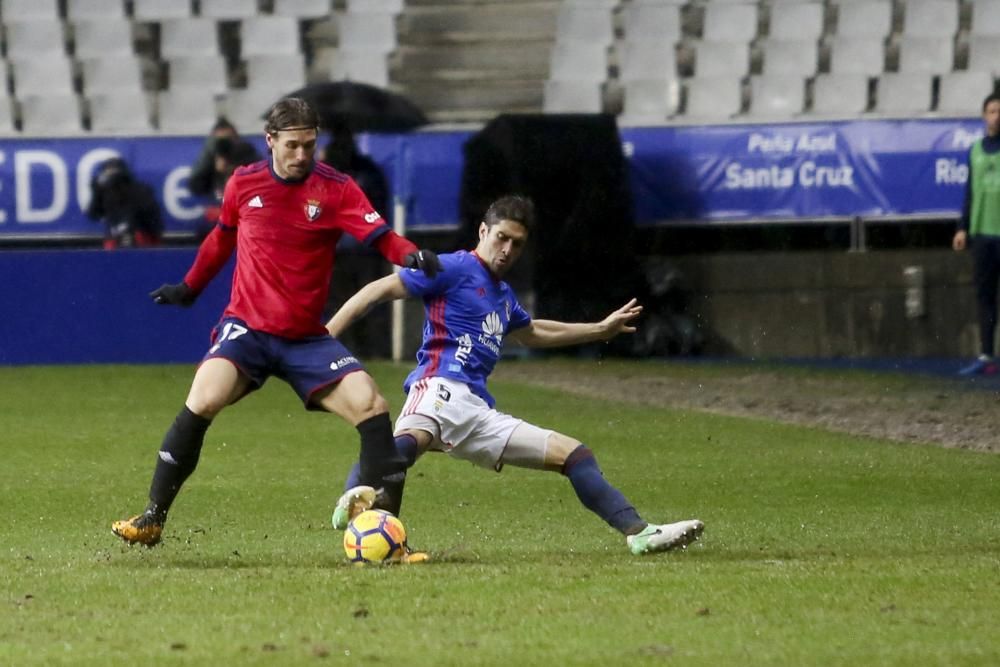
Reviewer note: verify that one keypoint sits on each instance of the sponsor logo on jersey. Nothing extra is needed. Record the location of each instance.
(343, 363)
(464, 347)
(370, 218)
(313, 209)
(492, 336)
(256, 202)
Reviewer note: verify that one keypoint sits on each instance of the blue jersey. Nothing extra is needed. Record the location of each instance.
(468, 312)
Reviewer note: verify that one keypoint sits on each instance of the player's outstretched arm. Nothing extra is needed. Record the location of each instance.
(552, 333)
(379, 291)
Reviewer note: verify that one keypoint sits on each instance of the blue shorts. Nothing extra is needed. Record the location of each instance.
(307, 364)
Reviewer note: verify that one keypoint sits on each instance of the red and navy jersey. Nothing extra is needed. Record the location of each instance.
(285, 234)
(468, 313)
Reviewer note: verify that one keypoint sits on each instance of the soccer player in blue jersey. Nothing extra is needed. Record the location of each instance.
(470, 310)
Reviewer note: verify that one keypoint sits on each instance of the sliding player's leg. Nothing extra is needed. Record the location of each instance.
(532, 447)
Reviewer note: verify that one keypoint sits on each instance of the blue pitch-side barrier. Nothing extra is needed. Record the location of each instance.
(92, 306)
(867, 168)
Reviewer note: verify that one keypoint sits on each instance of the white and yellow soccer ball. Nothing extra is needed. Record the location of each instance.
(374, 536)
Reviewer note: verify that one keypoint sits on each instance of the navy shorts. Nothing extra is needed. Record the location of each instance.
(307, 364)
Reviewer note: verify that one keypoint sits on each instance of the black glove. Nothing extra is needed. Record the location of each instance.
(174, 295)
(425, 260)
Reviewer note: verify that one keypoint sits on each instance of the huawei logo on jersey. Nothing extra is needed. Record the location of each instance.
(492, 336)
(492, 326)
(313, 209)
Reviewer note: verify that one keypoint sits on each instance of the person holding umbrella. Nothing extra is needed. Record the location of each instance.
(283, 216)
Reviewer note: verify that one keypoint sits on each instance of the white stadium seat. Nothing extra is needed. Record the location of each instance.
(189, 37)
(572, 97)
(51, 114)
(840, 94)
(117, 113)
(901, 93)
(714, 97)
(102, 37)
(111, 73)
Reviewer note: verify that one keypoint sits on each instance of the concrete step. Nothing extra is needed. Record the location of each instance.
(468, 99)
(485, 60)
(512, 21)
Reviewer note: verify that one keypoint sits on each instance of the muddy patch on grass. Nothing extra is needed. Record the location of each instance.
(931, 410)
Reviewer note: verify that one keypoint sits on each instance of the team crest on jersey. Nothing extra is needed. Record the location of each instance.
(313, 209)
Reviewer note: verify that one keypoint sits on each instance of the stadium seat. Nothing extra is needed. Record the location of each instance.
(228, 10)
(185, 111)
(93, 38)
(202, 72)
(652, 23)
(51, 114)
(839, 94)
(930, 18)
(724, 22)
(42, 74)
(264, 35)
(646, 59)
(578, 61)
(245, 108)
(713, 59)
(572, 97)
(901, 93)
(797, 21)
(799, 57)
(715, 97)
(115, 113)
(6, 115)
(650, 100)
(284, 71)
(777, 96)
(17, 10)
(929, 55)
(114, 72)
(95, 9)
(588, 24)
(983, 50)
(367, 32)
(984, 19)
(868, 18)
(377, 6)
(4, 79)
(361, 66)
(857, 55)
(320, 66)
(189, 37)
(303, 9)
(34, 37)
(960, 93)
(158, 10)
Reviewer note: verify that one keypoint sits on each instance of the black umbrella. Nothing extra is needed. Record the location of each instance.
(362, 107)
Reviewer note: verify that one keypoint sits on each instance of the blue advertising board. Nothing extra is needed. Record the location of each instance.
(866, 168)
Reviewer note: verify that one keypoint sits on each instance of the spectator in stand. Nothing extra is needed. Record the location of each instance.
(125, 206)
(223, 151)
(357, 264)
(979, 229)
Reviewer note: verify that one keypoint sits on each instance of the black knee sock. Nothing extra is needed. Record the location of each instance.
(176, 460)
(598, 495)
(382, 466)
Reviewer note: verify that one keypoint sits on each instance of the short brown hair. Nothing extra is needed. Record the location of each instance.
(291, 113)
(515, 208)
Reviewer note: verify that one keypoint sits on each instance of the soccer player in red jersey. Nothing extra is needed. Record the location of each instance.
(283, 216)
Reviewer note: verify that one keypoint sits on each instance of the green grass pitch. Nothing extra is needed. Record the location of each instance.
(819, 549)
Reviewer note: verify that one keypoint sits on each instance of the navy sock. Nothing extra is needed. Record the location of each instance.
(176, 460)
(406, 446)
(598, 495)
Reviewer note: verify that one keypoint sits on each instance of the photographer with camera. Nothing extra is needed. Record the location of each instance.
(223, 151)
(126, 207)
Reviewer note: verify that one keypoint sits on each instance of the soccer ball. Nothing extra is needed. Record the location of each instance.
(374, 536)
